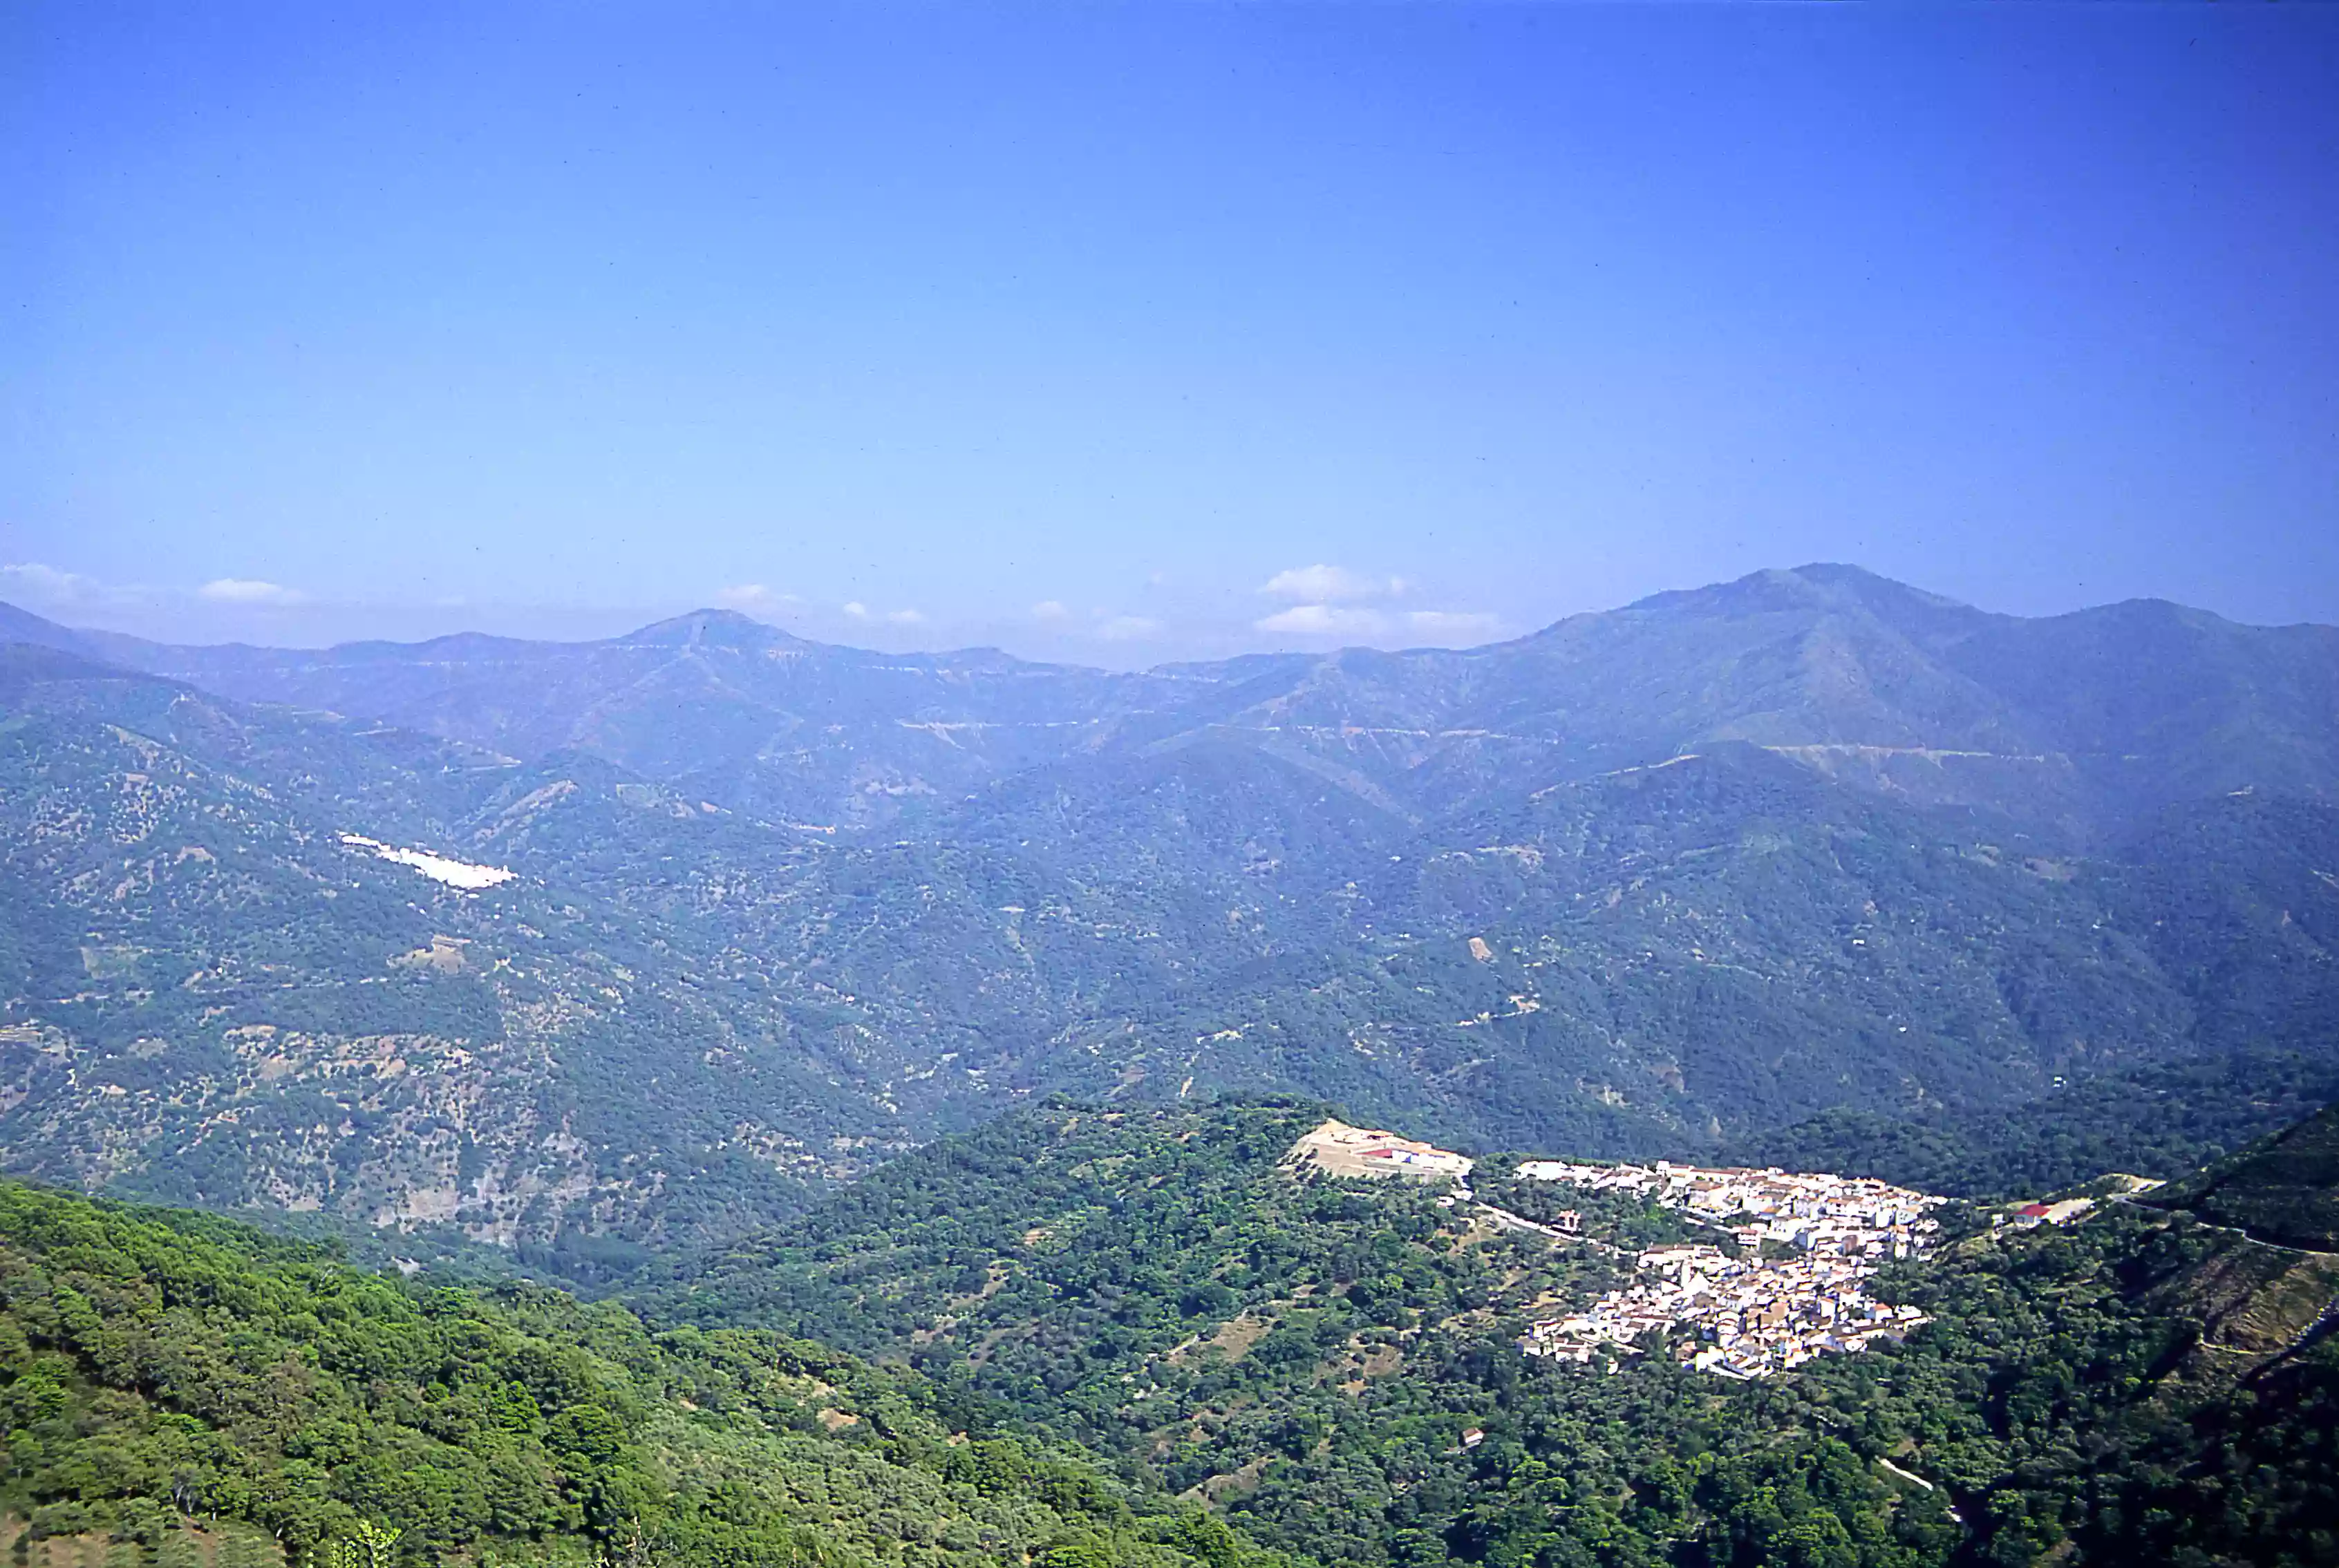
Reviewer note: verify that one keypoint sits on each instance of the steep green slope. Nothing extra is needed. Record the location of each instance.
(1082, 1234)
(159, 1372)
(2237, 898)
(1671, 956)
(2283, 1189)
(1311, 1356)
(2161, 1119)
(1306, 1356)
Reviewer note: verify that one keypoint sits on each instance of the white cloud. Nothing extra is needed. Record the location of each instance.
(35, 581)
(55, 588)
(1051, 611)
(856, 609)
(51, 586)
(905, 617)
(1365, 623)
(753, 597)
(1454, 623)
(1321, 583)
(1129, 628)
(248, 591)
(1326, 621)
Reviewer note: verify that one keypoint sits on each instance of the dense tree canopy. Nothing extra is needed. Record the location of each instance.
(158, 1369)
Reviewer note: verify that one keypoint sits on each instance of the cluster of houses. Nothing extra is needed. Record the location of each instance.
(1794, 1289)
(1754, 1315)
(1597, 1177)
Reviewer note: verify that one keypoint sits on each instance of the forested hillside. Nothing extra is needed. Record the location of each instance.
(1101, 1338)
(2283, 1189)
(1313, 1355)
(192, 1390)
(216, 999)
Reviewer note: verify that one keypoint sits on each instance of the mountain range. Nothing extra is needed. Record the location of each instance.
(2078, 723)
(1811, 860)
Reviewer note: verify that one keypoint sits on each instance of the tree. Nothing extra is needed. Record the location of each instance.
(368, 1544)
(1207, 1540)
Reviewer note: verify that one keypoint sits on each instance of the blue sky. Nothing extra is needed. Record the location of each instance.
(1131, 331)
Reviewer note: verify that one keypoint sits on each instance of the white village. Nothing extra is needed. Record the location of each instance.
(1762, 1309)
(1789, 1286)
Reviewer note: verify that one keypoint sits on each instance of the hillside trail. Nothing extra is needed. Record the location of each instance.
(2229, 1230)
(1506, 1218)
(2325, 1321)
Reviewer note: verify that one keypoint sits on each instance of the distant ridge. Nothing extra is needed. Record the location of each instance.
(2075, 724)
(18, 625)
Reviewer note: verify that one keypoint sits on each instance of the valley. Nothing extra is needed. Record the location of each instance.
(1276, 784)
(947, 1102)
(1698, 940)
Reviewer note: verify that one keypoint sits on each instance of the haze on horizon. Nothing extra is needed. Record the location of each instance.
(1134, 333)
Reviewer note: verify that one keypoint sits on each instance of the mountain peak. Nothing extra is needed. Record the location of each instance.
(1815, 586)
(711, 628)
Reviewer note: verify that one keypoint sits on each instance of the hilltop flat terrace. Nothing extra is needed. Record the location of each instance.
(1339, 1149)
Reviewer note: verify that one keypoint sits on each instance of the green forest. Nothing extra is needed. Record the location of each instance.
(183, 1390)
(1087, 1336)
